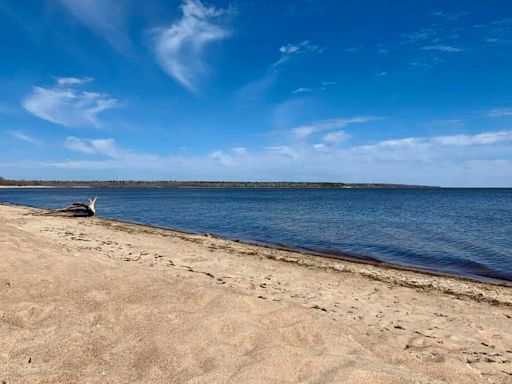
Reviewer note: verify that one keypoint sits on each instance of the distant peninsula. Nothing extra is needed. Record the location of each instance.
(196, 184)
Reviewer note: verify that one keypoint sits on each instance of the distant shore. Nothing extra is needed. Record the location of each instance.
(198, 184)
(90, 300)
(25, 186)
(38, 186)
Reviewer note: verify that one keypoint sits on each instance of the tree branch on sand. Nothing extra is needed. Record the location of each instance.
(77, 209)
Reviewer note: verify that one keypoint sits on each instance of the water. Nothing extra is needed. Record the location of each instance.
(466, 232)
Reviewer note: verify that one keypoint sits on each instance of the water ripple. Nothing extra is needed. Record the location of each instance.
(466, 232)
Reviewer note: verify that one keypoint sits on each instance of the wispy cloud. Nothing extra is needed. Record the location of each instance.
(353, 49)
(304, 131)
(303, 90)
(292, 49)
(24, 137)
(486, 138)
(451, 160)
(448, 16)
(481, 139)
(180, 48)
(441, 48)
(497, 32)
(283, 151)
(421, 35)
(67, 106)
(68, 81)
(257, 87)
(324, 85)
(303, 46)
(445, 123)
(335, 137)
(499, 112)
(105, 147)
(506, 21)
(106, 18)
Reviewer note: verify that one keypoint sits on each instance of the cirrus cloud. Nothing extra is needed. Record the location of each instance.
(442, 48)
(67, 106)
(180, 48)
(105, 18)
(24, 137)
(304, 131)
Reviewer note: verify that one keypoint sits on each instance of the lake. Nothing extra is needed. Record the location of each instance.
(466, 232)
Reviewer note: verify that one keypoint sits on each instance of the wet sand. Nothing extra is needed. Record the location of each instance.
(99, 301)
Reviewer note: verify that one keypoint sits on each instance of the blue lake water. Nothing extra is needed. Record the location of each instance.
(466, 232)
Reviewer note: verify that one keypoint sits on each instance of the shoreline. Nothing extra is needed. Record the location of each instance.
(350, 258)
(341, 256)
(319, 259)
(96, 300)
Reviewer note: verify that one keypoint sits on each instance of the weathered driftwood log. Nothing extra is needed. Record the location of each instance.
(77, 209)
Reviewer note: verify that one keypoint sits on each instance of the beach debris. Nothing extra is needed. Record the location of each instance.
(77, 209)
(134, 259)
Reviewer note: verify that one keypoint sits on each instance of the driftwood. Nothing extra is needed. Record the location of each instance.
(77, 209)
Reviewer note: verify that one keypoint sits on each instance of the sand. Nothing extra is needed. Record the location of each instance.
(98, 301)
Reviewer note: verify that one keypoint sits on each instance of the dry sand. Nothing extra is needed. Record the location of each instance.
(98, 301)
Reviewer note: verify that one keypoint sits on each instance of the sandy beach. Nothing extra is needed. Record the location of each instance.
(100, 301)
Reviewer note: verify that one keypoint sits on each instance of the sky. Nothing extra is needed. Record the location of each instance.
(410, 91)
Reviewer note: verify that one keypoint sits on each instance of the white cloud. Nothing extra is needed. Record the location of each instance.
(442, 48)
(481, 159)
(352, 49)
(303, 46)
(498, 112)
(105, 147)
(24, 137)
(106, 18)
(502, 21)
(481, 139)
(257, 88)
(304, 131)
(486, 138)
(68, 81)
(223, 158)
(303, 90)
(443, 123)
(66, 106)
(421, 35)
(493, 40)
(323, 87)
(283, 150)
(448, 16)
(335, 137)
(180, 47)
(292, 49)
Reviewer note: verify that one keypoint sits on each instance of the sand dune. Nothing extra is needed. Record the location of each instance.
(97, 301)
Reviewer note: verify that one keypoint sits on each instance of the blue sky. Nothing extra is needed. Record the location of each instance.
(303, 90)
